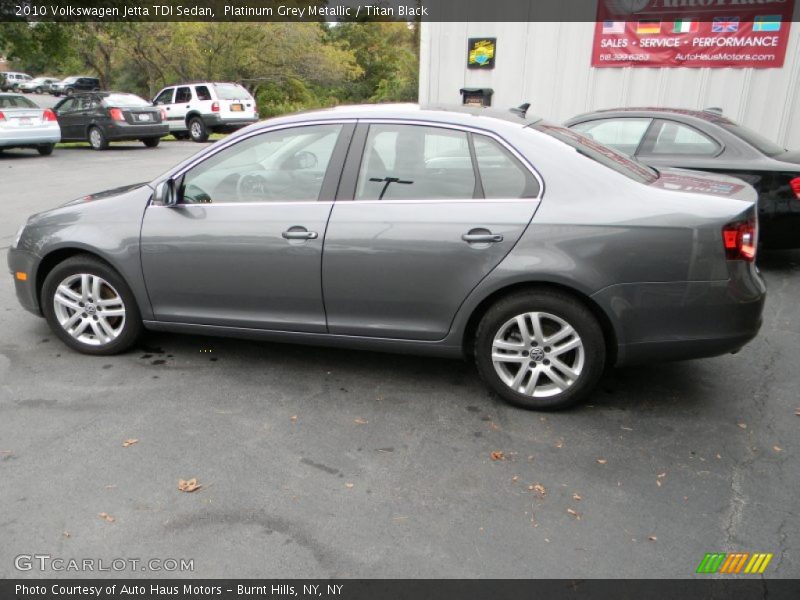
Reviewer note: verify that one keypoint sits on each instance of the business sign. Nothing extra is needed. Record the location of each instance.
(481, 53)
(693, 33)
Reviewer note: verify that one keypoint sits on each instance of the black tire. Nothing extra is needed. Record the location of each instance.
(563, 307)
(180, 135)
(97, 139)
(198, 130)
(46, 149)
(130, 325)
(38, 90)
(151, 142)
(68, 92)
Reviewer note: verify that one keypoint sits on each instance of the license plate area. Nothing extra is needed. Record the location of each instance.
(237, 108)
(143, 117)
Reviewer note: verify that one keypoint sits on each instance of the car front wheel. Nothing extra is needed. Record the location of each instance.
(198, 130)
(90, 307)
(540, 350)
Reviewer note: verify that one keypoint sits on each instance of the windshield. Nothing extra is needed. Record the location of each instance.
(70, 80)
(230, 91)
(621, 163)
(124, 100)
(755, 139)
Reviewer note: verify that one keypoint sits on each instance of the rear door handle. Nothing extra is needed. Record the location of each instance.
(482, 238)
(299, 233)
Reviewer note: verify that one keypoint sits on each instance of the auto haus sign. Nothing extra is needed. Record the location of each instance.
(692, 33)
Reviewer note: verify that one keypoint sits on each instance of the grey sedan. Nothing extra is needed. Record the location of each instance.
(24, 125)
(540, 254)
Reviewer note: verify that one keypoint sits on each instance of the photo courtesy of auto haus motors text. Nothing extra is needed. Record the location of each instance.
(421, 299)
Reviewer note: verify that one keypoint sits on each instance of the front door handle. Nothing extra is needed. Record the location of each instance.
(482, 238)
(299, 233)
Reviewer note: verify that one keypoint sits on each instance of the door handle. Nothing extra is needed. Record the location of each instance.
(299, 234)
(482, 238)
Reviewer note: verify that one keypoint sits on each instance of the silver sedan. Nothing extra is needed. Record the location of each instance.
(24, 125)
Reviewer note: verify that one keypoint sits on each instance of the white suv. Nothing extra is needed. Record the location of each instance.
(9, 81)
(197, 109)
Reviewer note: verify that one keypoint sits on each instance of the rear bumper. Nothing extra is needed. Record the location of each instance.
(125, 131)
(30, 137)
(225, 125)
(682, 320)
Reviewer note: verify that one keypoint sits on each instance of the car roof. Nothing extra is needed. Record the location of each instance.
(455, 114)
(711, 116)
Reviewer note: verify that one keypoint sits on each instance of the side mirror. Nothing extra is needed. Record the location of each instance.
(166, 194)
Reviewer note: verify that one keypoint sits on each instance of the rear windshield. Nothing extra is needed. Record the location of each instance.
(16, 102)
(621, 163)
(121, 100)
(755, 139)
(231, 91)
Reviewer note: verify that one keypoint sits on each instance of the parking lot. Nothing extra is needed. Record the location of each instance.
(329, 463)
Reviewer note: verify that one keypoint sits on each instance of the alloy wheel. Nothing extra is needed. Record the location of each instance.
(89, 309)
(538, 354)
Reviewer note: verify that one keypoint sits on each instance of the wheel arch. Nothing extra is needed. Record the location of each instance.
(609, 334)
(191, 115)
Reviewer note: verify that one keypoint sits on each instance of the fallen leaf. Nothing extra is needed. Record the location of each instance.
(188, 486)
(67, 534)
(560, 444)
(652, 538)
(576, 497)
(797, 412)
(349, 485)
(515, 478)
(497, 455)
(574, 513)
(360, 421)
(602, 461)
(662, 475)
(777, 449)
(129, 442)
(539, 489)
(658, 482)
(111, 487)
(106, 517)
(547, 540)
(743, 425)
(719, 457)
(293, 418)
(627, 428)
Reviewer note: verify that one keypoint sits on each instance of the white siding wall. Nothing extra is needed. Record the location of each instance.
(549, 65)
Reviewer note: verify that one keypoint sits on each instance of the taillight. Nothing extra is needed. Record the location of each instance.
(116, 114)
(2, 117)
(49, 115)
(740, 239)
(795, 185)
(215, 107)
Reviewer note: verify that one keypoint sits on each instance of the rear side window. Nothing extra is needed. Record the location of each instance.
(413, 162)
(182, 95)
(202, 92)
(624, 135)
(502, 175)
(678, 138)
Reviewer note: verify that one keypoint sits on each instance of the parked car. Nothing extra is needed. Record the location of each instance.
(708, 141)
(24, 125)
(103, 117)
(197, 109)
(71, 85)
(531, 248)
(38, 85)
(10, 81)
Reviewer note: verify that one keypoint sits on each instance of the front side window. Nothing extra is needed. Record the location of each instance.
(287, 165)
(624, 135)
(414, 162)
(165, 97)
(67, 105)
(502, 175)
(677, 138)
(182, 95)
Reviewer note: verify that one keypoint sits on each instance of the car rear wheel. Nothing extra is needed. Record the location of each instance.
(69, 92)
(97, 139)
(90, 307)
(198, 130)
(38, 90)
(46, 149)
(540, 350)
(151, 142)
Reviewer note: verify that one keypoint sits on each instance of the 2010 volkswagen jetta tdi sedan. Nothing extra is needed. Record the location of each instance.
(538, 252)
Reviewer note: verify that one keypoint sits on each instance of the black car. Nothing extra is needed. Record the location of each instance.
(71, 85)
(103, 117)
(706, 140)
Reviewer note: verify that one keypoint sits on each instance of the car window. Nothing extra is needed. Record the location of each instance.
(605, 155)
(502, 175)
(414, 162)
(288, 165)
(88, 103)
(165, 97)
(183, 94)
(231, 91)
(755, 139)
(16, 102)
(67, 105)
(678, 138)
(202, 92)
(624, 135)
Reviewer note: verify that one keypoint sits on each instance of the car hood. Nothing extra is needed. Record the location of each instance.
(701, 182)
(105, 194)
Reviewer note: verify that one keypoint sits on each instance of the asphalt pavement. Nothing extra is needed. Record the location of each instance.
(331, 463)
